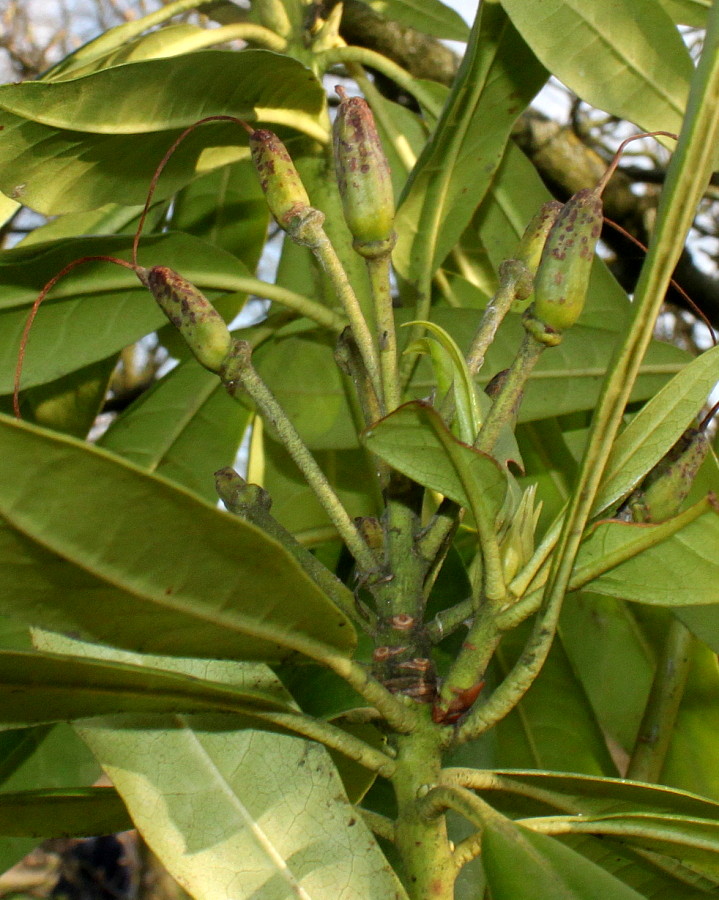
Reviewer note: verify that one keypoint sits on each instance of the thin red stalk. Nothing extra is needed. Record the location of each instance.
(163, 162)
(677, 287)
(602, 183)
(36, 305)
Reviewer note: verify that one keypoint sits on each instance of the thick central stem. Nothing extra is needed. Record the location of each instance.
(428, 867)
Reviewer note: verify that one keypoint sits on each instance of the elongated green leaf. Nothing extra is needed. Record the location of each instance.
(688, 12)
(595, 794)
(99, 308)
(42, 688)
(59, 812)
(162, 94)
(498, 77)
(521, 864)
(692, 760)
(612, 542)
(430, 16)
(695, 841)
(656, 428)
(249, 816)
(79, 144)
(612, 658)
(683, 570)
(553, 726)
(85, 529)
(630, 60)
(53, 757)
(184, 428)
(413, 439)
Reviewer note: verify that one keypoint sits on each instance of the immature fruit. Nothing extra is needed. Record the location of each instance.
(364, 178)
(562, 279)
(666, 487)
(285, 194)
(532, 244)
(202, 327)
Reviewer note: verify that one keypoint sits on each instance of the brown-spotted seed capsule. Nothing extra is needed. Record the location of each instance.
(281, 183)
(562, 279)
(363, 176)
(202, 327)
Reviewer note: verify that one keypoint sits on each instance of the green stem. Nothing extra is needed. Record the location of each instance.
(379, 273)
(449, 620)
(239, 370)
(421, 840)
(326, 255)
(381, 825)
(510, 273)
(443, 797)
(252, 503)
(660, 714)
(503, 410)
(400, 76)
(335, 738)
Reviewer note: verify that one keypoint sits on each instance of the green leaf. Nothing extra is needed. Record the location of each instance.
(316, 405)
(53, 757)
(553, 726)
(42, 688)
(414, 440)
(244, 816)
(293, 503)
(185, 427)
(227, 208)
(630, 61)
(69, 404)
(430, 16)
(612, 659)
(98, 308)
(688, 12)
(521, 864)
(452, 373)
(498, 77)
(692, 760)
(683, 570)
(656, 428)
(62, 812)
(610, 543)
(78, 144)
(85, 531)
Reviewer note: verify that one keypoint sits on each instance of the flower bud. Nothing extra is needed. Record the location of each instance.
(281, 183)
(562, 279)
(364, 178)
(202, 327)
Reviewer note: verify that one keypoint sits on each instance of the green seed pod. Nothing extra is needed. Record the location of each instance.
(364, 178)
(285, 194)
(532, 243)
(666, 487)
(202, 327)
(562, 279)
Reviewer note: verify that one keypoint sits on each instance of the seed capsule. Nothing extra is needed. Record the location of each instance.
(285, 194)
(666, 487)
(202, 327)
(532, 244)
(562, 279)
(364, 178)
